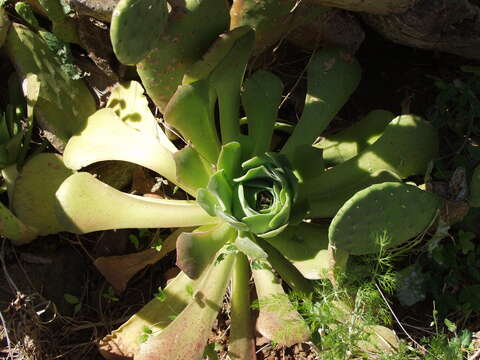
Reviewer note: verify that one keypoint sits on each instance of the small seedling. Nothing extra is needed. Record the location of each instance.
(73, 300)
(134, 240)
(160, 295)
(109, 295)
(157, 244)
(146, 332)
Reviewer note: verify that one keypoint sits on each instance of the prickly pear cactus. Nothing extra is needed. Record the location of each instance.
(136, 27)
(271, 19)
(62, 25)
(26, 12)
(395, 211)
(182, 44)
(64, 104)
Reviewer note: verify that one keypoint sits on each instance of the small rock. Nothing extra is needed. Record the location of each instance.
(99, 9)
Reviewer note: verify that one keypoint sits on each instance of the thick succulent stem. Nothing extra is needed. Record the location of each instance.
(241, 339)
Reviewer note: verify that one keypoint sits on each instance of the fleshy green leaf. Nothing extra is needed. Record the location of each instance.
(307, 161)
(34, 192)
(64, 104)
(408, 144)
(85, 204)
(348, 143)
(333, 76)
(229, 160)
(155, 316)
(195, 250)
(131, 105)
(395, 212)
(13, 229)
(260, 200)
(193, 171)
(277, 320)
(107, 137)
(327, 204)
(215, 55)
(194, 322)
(224, 65)
(287, 271)
(208, 201)
(163, 68)
(190, 112)
(261, 98)
(222, 189)
(306, 247)
(226, 81)
(272, 20)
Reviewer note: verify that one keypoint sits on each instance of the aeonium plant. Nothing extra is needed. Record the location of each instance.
(256, 197)
(253, 202)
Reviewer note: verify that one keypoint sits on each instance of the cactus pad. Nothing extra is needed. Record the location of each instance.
(135, 28)
(397, 211)
(191, 29)
(64, 104)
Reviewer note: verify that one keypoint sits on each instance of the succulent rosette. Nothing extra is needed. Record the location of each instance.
(256, 196)
(251, 194)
